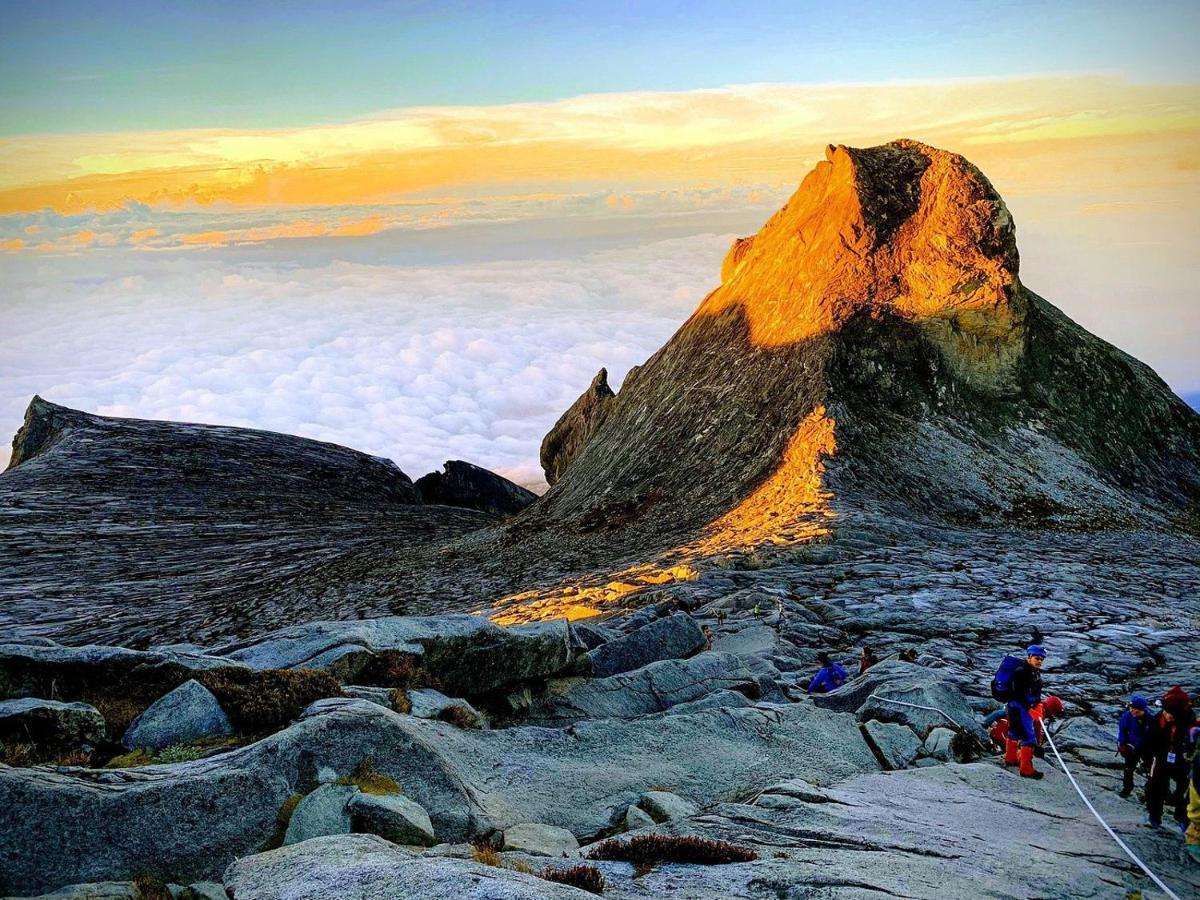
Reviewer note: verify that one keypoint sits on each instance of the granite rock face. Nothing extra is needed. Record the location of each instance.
(462, 484)
(125, 512)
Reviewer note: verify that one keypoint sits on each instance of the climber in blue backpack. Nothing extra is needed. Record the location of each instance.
(1018, 684)
(829, 677)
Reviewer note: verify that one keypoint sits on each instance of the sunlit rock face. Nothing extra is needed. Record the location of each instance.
(872, 348)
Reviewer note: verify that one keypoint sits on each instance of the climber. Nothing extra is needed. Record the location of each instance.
(1131, 735)
(1046, 711)
(829, 677)
(866, 659)
(1018, 684)
(1166, 749)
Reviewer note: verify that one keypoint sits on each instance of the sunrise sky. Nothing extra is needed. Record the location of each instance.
(419, 228)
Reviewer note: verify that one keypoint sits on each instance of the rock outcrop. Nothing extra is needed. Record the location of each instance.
(872, 351)
(462, 484)
(564, 441)
(120, 512)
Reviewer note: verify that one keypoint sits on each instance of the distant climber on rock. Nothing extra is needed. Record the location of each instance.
(1193, 810)
(1166, 750)
(866, 659)
(1018, 684)
(1131, 737)
(829, 677)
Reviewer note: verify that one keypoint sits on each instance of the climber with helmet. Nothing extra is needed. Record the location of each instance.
(1018, 684)
(1166, 749)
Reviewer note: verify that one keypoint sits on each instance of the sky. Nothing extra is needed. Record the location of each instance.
(418, 229)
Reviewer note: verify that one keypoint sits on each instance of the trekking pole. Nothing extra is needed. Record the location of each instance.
(1120, 843)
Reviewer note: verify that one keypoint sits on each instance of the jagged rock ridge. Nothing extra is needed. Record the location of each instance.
(466, 485)
(563, 442)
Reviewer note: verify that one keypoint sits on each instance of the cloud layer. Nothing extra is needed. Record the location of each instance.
(471, 360)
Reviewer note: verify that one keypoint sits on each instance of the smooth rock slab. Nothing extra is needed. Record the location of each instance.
(393, 818)
(188, 713)
(323, 812)
(366, 867)
(673, 637)
(49, 724)
(539, 839)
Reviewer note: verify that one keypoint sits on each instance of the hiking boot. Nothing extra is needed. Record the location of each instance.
(1152, 823)
(1026, 761)
(1011, 752)
(1124, 794)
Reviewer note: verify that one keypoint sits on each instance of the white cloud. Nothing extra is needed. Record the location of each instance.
(472, 359)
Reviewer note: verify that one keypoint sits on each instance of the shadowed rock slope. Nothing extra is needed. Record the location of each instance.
(872, 350)
(102, 517)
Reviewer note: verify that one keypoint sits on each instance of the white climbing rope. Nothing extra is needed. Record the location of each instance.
(1082, 796)
(1120, 843)
(916, 706)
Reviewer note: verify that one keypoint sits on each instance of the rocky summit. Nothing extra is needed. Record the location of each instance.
(238, 664)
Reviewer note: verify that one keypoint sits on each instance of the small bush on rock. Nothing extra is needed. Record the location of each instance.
(649, 849)
(263, 701)
(150, 887)
(18, 756)
(283, 818)
(584, 877)
(401, 702)
(369, 781)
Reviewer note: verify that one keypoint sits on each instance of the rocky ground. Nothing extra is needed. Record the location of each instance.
(640, 723)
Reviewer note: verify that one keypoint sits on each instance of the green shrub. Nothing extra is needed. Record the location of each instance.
(147, 886)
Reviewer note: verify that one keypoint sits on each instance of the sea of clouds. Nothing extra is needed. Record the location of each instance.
(471, 358)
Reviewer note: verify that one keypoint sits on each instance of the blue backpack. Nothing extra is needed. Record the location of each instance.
(1002, 686)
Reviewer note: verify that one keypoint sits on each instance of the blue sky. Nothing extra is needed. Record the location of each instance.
(101, 66)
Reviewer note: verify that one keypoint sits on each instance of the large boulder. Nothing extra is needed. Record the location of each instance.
(189, 713)
(897, 745)
(208, 812)
(650, 689)
(366, 867)
(50, 726)
(430, 704)
(466, 655)
(392, 817)
(74, 827)
(671, 637)
(465, 485)
(325, 811)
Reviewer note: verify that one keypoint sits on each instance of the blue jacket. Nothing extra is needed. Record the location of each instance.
(829, 678)
(1132, 730)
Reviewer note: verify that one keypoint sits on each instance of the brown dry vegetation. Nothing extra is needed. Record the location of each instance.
(650, 849)
(585, 877)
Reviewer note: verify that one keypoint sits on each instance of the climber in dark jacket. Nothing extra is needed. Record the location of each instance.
(1165, 749)
(1026, 694)
(829, 677)
(1131, 736)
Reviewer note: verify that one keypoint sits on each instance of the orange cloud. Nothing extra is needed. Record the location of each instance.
(12, 245)
(760, 134)
(303, 228)
(143, 234)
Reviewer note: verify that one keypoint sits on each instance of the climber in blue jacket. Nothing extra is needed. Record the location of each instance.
(1131, 736)
(830, 677)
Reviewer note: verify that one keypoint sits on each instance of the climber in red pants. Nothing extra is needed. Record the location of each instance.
(1018, 683)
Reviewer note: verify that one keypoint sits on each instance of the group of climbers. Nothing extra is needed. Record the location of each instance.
(1161, 743)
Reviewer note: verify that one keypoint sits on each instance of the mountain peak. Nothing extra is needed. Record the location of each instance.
(902, 228)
